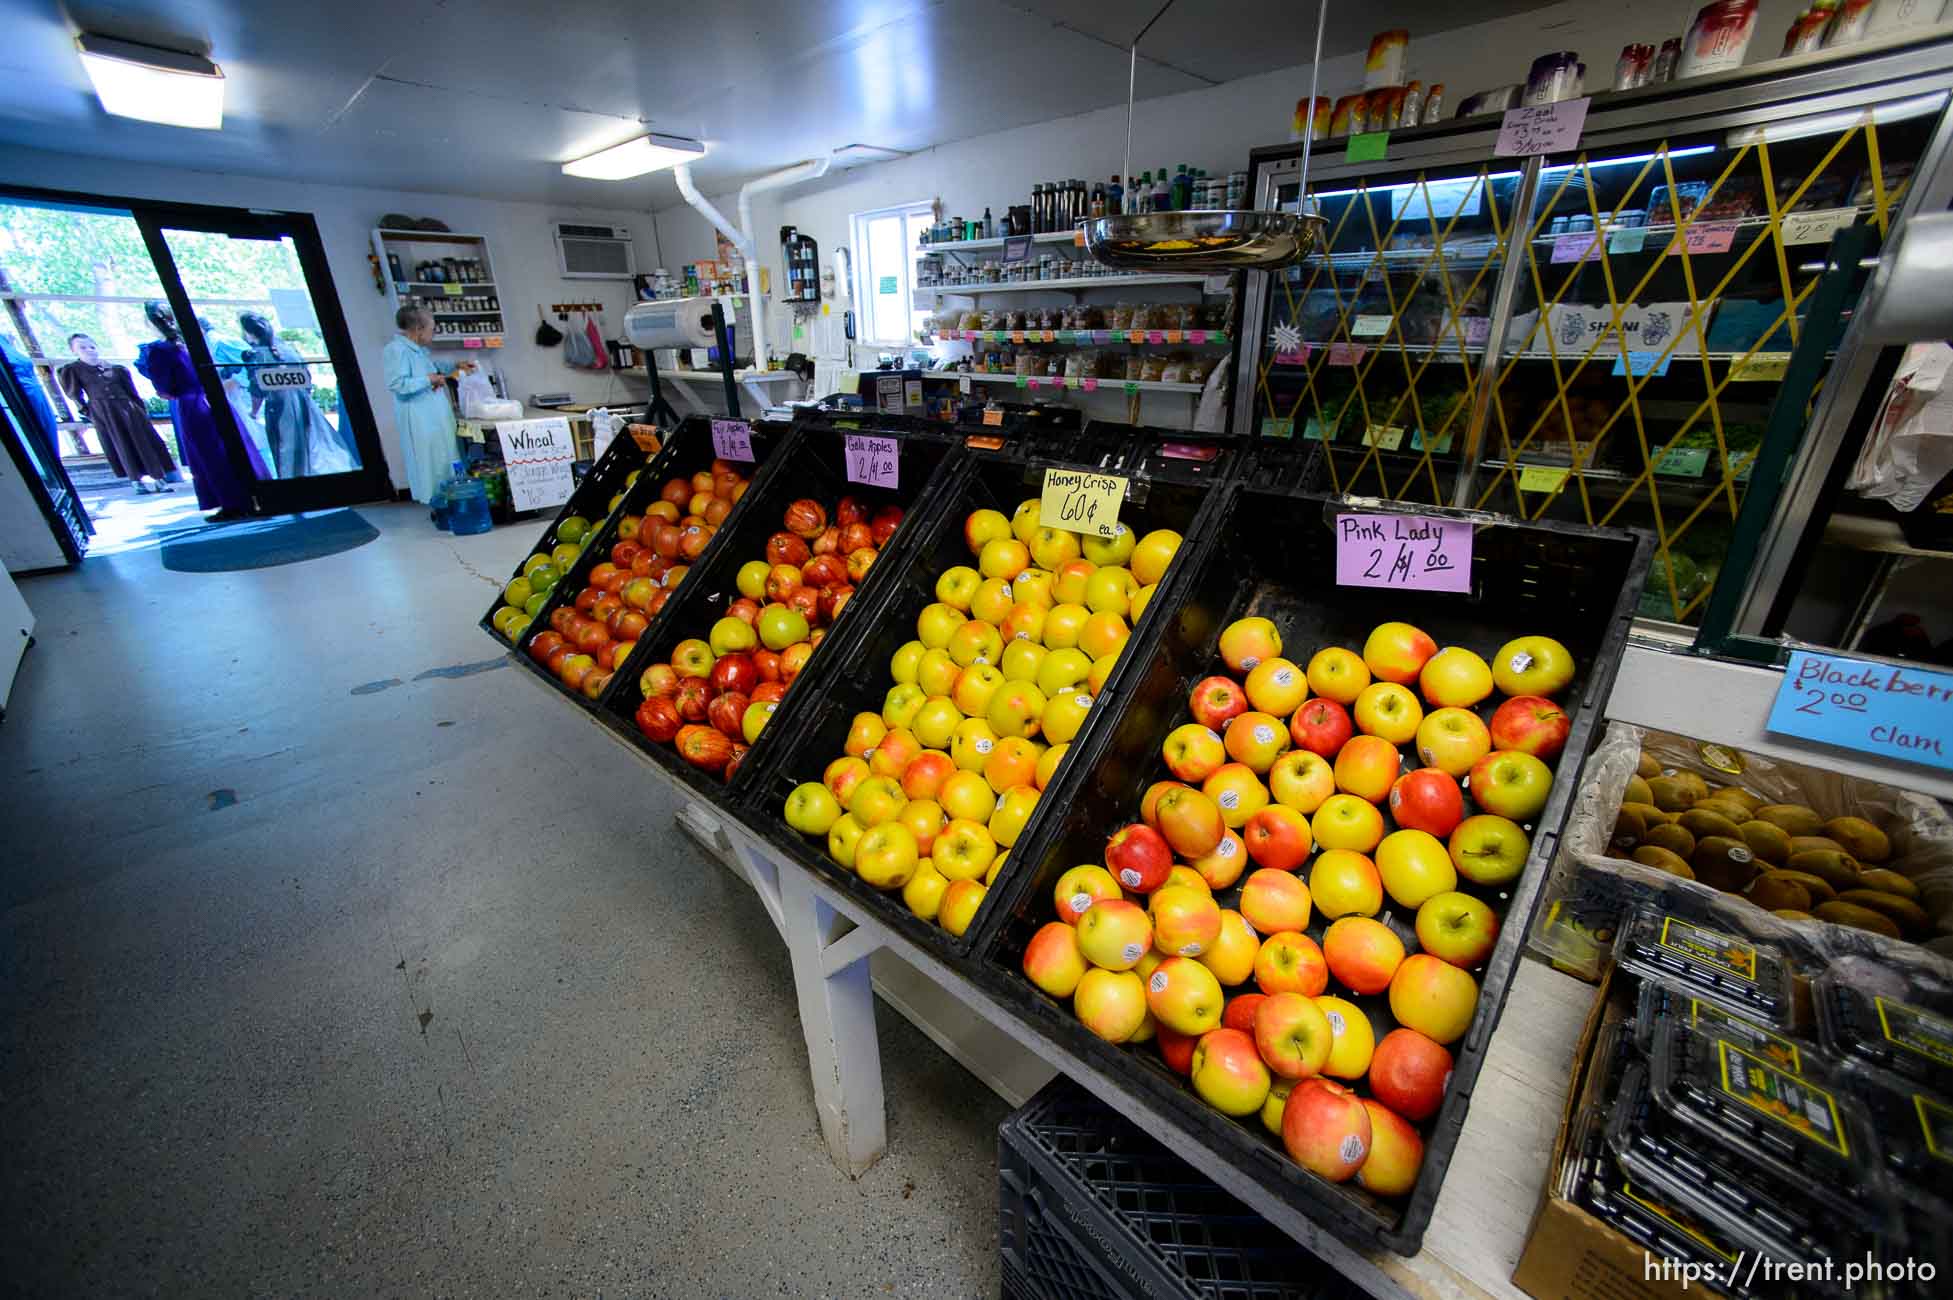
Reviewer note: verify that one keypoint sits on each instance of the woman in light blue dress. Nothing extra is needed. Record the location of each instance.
(228, 353)
(302, 439)
(421, 410)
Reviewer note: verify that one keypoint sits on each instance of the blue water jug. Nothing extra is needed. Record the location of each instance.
(467, 504)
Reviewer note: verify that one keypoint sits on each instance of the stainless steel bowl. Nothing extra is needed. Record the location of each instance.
(1202, 241)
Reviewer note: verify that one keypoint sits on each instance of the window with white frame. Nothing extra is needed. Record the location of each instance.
(886, 241)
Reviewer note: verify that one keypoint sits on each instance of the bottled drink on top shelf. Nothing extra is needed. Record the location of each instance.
(1114, 194)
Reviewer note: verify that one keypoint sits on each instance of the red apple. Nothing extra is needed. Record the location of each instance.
(834, 600)
(1320, 726)
(658, 681)
(828, 542)
(726, 712)
(1240, 1012)
(806, 518)
(824, 571)
(624, 552)
(768, 693)
(1409, 1073)
(849, 510)
(781, 580)
(1139, 858)
(1326, 1129)
(1176, 1048)
(544, 644)
(768, 663)
(1530, 724)
(745, 609)
(584, 600)
(860, 560)
(785, 548)
(704, 748)
(658, 719)
(1427, 800)
(694, 694)
(886, 521)
(556, 657)
(1216, 701)
(856, 537)
(804, 601)
(601, 574)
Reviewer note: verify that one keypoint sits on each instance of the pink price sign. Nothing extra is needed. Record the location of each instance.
(1407, 552)
(874, 462)
(732, 440)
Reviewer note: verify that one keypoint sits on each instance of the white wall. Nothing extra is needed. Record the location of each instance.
(519, 241)
(1214, 128)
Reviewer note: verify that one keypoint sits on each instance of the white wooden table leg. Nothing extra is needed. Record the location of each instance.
(837, 1016)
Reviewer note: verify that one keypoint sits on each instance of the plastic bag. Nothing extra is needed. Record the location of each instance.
(472, 391)
(1911, 446)
(1920, 831)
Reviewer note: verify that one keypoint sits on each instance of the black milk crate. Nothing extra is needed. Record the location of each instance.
(813, 464)
(1090, 1206)
(1272, 554)
(590, 500)
(687, 450)
(1178, 494)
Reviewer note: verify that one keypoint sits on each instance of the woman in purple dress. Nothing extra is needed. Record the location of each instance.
(165, 362)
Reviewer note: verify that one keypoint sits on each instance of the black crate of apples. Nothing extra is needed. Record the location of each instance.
(1287, 893)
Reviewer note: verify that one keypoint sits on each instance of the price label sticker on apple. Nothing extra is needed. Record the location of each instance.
(1407, 552)
(874, 462)
(732, 440)
(1082, 502)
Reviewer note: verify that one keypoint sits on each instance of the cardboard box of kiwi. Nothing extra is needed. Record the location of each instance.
(1660, 814)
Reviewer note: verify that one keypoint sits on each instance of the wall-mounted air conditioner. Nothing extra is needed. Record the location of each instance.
(594, 252)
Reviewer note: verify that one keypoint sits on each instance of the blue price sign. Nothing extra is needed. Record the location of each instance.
(1642, 363)
(1889, 710)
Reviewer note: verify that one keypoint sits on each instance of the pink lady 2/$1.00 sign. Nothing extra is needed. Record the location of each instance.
(1409, 552)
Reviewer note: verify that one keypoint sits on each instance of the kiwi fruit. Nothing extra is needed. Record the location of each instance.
(1736, 794)
(1671, 795)
(1766, 841)
(1725, 863)
(1629, 826)
(1698, 788)
(1675, 839)
(1860, 838)
(1650, 855)
(1838, 868)
(1792, 914)
(1649, 767)
(1814, 844)
(1795, 818)
(1911, 917)
(1775, 893)
(1701, 823)
(1820, 889)
(1650, 815)
(1733, 813)
(1888, 882)
(1858, 918)
(1637, 791)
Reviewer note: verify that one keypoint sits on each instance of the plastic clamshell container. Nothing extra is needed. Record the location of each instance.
(590, 500)
(1915, 1130)
(1738, 973)
(1805, 1129)
(1709, 1182)
(1658, 1003)
(813, 462)
(686, 451)
(1171, 495)
(1272, 554)
(1878, 1016)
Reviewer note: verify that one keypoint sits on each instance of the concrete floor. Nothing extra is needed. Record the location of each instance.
(411, 992)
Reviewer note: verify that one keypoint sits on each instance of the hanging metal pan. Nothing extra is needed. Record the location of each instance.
(1203, 241)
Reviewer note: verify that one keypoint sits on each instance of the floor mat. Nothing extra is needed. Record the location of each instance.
(265, 543)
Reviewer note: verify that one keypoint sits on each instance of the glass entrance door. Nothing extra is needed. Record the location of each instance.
(258, 317)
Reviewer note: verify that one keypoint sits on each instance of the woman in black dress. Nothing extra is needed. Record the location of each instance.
(106, 396)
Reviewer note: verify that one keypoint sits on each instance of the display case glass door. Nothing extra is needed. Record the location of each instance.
(1373, 349)
(1662, 294)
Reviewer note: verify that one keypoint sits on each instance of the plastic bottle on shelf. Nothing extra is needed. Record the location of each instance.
(1114, 197)
(1162, 192)
(1098, 201)
(989, 224)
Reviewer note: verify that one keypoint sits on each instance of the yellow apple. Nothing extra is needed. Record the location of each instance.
(1014, 709)
(970, 745)
(1276, 686)
(1115, 934)
(886, 856)
(963, 850)
(1140, 600)
(1256, 740)
(975, 642)
(1238, 791)
(957, 585)
(1355, 1038)
(1433, 997)
(1083, 886)
(1112, 1004)
(1021, 661)
(1013, 810)
(1153, 553)
(875, 801)
(1186, 922)
(1052, 960)
(1102, 671)
(1109, 590)
(936, 672)
(1452, 739)
(1396, 652)
(924, 892)
(925, 820)
(1064, 713)
(1116, 549)
(975, 687)
(1338, 674)
(1225, 864)
(1103, 633)
(1024, 521)
(1387, 711)
(1455, 678)
(1062, 668)
(1048, 765)
(1193, 752)
(1034, 587)
(1347, 822)
(902, 667)
(935, 722)
(960, 903)
(1024, 625)
(1068, 581)
(967, 796)
(1232, 956)
(1415, 865)
(903, 701)
(1063, 625)
(1246, 642)
(936, 621)
(1300, 779)
(993, 601)
(1532, 665)
(843, 837)
(1051, 547)
(1228, 1072)
(982, 526)
(1345, 883)
(1184, 996)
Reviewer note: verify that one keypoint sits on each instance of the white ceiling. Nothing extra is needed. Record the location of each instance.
(489, 97)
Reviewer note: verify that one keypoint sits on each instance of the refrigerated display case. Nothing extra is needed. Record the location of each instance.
(1617, 335)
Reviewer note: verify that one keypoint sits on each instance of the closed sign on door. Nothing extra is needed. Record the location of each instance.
(284, 377)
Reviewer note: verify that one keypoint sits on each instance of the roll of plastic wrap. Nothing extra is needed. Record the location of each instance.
(671, 323)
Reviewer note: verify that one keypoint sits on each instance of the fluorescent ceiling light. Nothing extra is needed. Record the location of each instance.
(647, 153)
(152, 84)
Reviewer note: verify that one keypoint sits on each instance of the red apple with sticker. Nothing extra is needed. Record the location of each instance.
(1409, 1073)
(1326, 1129)
(1217, 701)
(1139, 858)
(1427, 800)
(1531, 724)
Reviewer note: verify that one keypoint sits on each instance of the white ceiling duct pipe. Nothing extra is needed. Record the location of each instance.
(741, 235)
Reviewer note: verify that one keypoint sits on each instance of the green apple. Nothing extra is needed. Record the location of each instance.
(780, 627)
(731, 636)
(1510, 784)
(812, 808)
(1489, 850)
